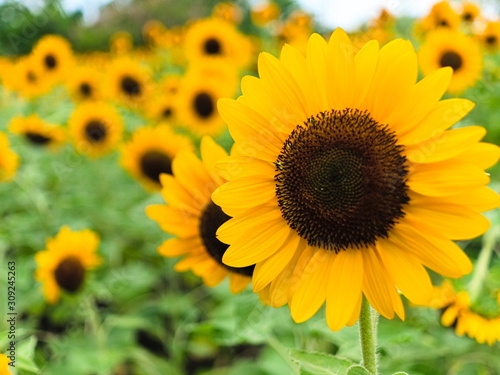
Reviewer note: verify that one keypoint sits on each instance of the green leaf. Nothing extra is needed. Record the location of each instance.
(319, 363)
(400, 373)
(357, 370)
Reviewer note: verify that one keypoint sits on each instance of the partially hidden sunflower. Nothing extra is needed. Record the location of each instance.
(65, 262)
(128, 82)
(54, 55)
(95, 128)
(37, 131)
(441, 15)
(28, 79)
(9, 161)
(196, 105)
(458, 312)
(85, 84)
(4, 365)
(451, 48)
(193, 218)
(216, 38)
(490, 36)
(345, 181)
(150, 152)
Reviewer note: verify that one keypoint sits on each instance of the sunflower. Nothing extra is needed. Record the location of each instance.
(54, 56)
(95, 127)
(457, 312)
(150, 153)
(128, 82)
(37, 131)
(196, 105)
(194, 218)
(4, 364)
(345, 182)
(441, 15)
(169, 84)
(212, 37)
(121, 43)
(469, 12)
(9, 161)
(456, 50)
(85, 84)
(490, 37)
(161, 108)
(263, 13)
(225, 73)
(228, 11)
(63, 265)
(28, 79)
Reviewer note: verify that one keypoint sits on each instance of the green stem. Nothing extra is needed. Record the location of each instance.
(368, 336)
(482, 264)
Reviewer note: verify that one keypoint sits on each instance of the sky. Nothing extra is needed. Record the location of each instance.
(347, 14)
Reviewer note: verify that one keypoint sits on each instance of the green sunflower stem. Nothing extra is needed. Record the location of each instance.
(368, 320)
(481, 269)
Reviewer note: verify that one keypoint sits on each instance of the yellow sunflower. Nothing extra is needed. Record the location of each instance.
(37, 131)
(263, 13)
(150, 153)
(54, 56)
(451, 48)
(4, 365)
(85, 84)
(95, 128)
(169, 84)
(490, 37)
(9, 161)
(28, 79)
(63, 265)
(441, 15)
(193, 218)
(212, 37)
(128, 82)
(121, 43)
(470, 11)
(228, 11)
(345, 181)
(224, 72)
(161, 108)
(196, 105)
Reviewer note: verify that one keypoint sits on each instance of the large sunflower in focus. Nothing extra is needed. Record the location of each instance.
(150, 153)
(194, 218)
(451, 48)
(346, 182)
(64, 264)
(95, 127)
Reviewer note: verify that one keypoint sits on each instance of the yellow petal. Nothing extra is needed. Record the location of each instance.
(446, 145)
(483, 155)
(173, 221)
(178, 197)
(179, 246)
(312, 288)
(244, 166)
(365, 64)
(480, 200)
(317, 71)
(406, 270)
(191, 175)
(440, 255)
(237, 282)
(211, 152)
(344, 287)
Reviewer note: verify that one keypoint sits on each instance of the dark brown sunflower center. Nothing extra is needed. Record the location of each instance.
(166, 113)
(30, 76)
(153, 163)
(85, 89)
(491, 40)
(37, 138)
(69, 274)
(452, 59)
(50, 62)
(212, 46)
(131, 86)
(443, 23)
(341, 180)
(211, 219)
(95, 131)
(204, 105)
(467, 16)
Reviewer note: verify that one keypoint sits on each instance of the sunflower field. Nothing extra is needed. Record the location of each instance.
(252, 192)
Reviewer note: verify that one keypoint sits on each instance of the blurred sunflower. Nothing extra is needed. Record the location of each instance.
(263, 13)
(212, 37)
(64, 264)
(128, 82)
(441, 15)
(95, 128)
(469, 11)
(194, 218)
(27, 79)
(226, 74)
(85, 83)
(161, 107)
(150, 153)
(4, 365)
(37, 131)
(9, 161)
(196, 105)
(228, 11)
(169, 84)
(490, 37)
(451, 48)
(345, 181)
(121, 43)
(54, 56)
